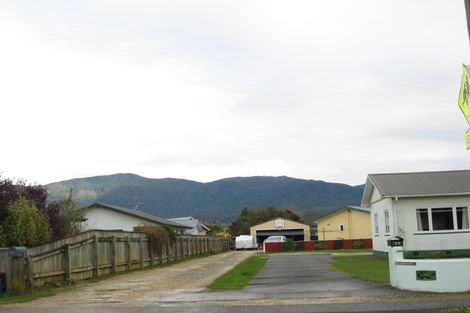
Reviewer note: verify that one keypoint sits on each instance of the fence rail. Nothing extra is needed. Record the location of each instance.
(96, 253)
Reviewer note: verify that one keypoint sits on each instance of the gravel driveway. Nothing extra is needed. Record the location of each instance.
(141, 287)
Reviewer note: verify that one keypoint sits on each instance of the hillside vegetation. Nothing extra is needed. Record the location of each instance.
(218, 200)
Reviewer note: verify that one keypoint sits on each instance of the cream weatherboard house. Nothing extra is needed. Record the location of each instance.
(428, 212)
(351, 222)
(109, 217)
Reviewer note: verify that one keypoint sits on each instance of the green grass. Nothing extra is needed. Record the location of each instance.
(240, 275)
(9, 299)
(369, 268)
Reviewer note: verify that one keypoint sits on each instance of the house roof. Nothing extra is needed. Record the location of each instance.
(189, 221)
(418, 184)
(353, 207)
(140, 214)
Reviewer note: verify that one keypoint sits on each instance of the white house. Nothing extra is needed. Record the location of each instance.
(196, 227)
(104, 216)
(429, 212)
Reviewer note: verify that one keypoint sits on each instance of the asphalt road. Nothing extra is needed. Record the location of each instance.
(289, 283)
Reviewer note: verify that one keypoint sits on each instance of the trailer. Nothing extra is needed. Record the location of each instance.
(245, 242)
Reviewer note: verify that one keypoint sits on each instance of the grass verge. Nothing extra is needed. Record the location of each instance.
(10, 299)
(240, 275)
(364, 267)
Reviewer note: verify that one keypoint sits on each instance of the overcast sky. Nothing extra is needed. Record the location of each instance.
(328, 90)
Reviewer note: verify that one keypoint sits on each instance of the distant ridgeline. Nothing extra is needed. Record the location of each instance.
(220, 200)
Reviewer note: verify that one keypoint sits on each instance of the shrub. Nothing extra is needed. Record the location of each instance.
(320, 245)
(358, 244)
(25, 225)
(159, 236)
(290, 244)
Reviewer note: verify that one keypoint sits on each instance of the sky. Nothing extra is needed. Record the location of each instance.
(203, 90)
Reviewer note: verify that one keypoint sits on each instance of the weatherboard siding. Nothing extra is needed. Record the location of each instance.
(380, 239)
(436, 240)
(101, 218)
(356, 225)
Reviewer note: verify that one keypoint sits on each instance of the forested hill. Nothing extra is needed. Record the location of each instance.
(222, 199)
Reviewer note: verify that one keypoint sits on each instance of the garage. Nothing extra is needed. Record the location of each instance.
(280, 227)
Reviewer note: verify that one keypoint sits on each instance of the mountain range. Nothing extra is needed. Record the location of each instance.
(220, 200)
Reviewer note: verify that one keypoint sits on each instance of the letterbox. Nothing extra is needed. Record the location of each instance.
(17, 252)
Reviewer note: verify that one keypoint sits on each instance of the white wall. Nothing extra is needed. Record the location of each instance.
(101, 218)
(452, 275)
(379, 241)
(436, 240)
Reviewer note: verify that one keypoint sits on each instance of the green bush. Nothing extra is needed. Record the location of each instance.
(320, 245)
(290, 244)
(25, 225)
(358, 244)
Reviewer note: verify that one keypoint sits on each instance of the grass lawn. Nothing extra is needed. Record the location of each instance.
(9, 299)
(369, 268)
(240, 275)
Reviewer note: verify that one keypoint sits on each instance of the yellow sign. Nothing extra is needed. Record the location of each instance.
(467, 137)
(464, 95)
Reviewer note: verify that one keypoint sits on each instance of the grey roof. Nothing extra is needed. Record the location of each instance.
(423, 183)
(189, 221)
(140, 214)
(359, 208)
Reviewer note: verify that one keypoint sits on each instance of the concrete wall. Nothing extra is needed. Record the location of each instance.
(356, 225)
(101, 218)
(430, 240)
(451, 275)
(287, 225)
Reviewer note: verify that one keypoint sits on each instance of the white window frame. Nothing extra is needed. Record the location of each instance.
(376, 223)
(387, 221)
(454, 217)
(341, 227)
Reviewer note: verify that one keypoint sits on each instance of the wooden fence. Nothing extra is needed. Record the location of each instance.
(95, 253)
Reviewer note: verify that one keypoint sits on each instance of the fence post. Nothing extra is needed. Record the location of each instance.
(96, 257)
(113, 255)
(150, 249)
(128, 255)
(29, 261)
(141, 251)
(17, 275)
(66, 262)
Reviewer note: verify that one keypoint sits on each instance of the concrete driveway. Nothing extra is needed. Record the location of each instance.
(298, 275)
(295, 276)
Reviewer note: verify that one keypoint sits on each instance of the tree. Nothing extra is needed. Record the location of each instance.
(25, 225)
(63, 216)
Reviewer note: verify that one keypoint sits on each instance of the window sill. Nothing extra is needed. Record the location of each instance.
(441, 232)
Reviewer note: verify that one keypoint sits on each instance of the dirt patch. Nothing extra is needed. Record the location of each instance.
(134, 288)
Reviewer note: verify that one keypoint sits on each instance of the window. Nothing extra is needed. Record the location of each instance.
(376, 222)
(449, 218)
(423, 219)
(462, 218)
(387, 222)
(341, 227)
(442, 219)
